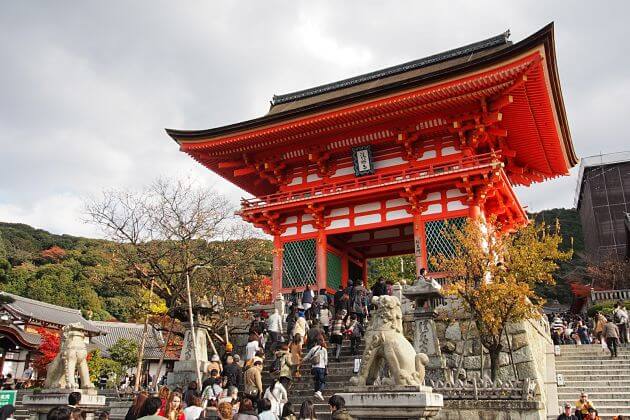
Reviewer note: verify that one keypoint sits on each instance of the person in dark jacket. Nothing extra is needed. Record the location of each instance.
(380, 288)
(233, 373)
(566, 415)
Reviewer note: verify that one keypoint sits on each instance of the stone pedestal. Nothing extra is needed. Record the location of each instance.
(392, 402)
(38, 404)
(184, 369)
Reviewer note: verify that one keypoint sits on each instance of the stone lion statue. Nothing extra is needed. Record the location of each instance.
(72, 355)
(386, 344)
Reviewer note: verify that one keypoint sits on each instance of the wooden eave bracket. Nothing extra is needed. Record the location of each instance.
(415, 196)
(317, 211)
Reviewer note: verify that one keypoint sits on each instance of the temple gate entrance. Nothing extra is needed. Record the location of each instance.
(380, 164)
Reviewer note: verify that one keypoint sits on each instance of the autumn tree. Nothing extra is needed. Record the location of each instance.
(124, 352)
(610, 273)
(494, 274)
(170, 229)
(48, 349)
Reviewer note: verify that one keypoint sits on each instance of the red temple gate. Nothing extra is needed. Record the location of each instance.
(380, 164)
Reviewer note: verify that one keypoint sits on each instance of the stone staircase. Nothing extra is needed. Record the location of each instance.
(338, 380)
(590, 369)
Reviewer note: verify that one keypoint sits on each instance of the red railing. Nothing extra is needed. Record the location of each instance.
(372, 181)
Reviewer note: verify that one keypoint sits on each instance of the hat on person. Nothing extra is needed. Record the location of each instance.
(236, 358)
(229, 346)
(215, 358)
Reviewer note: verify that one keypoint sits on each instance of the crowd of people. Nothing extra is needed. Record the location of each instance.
(608, 330)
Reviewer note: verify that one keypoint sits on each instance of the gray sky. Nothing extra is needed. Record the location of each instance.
(87, 87)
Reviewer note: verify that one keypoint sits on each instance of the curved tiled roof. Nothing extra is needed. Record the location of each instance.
(30, 309)
(117, 330)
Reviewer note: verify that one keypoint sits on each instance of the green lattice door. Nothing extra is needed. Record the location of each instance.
(333, 271)
(298, 264)
(438, 238)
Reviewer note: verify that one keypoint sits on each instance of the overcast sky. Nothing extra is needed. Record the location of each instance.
(87, 87)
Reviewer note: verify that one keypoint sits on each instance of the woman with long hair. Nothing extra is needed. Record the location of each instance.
(295, 348)
(136, 408)
(307, 411)
(173, 408)
(164, 393)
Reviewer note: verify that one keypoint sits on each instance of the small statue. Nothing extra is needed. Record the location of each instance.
(72, 355)
(385, 343)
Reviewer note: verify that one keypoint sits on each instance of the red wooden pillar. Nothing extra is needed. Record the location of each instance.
(321, 257)
(420, 243)
(474, 211)
(365, 272)
(345, 269)
(276, 278)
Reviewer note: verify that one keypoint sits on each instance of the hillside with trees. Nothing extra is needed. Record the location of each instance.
(82, 273)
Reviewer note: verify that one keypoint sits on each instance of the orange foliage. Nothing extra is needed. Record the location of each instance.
(54, 253)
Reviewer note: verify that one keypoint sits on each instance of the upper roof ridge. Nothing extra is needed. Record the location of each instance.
(17, 298)
(501, 39)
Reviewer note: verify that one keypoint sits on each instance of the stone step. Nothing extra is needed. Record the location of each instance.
(594, 376)
(602, 370)
(606, 361)
(612, 394)
(598, 383)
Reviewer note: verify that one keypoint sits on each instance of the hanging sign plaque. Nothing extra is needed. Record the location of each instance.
(362, 159)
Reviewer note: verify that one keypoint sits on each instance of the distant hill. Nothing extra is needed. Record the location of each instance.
(571, 229)
(71, 271)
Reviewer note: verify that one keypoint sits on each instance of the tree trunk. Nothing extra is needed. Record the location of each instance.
(494, 353)
(164, 348)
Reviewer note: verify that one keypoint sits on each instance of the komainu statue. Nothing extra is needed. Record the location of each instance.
(386, 344)
(72, 355)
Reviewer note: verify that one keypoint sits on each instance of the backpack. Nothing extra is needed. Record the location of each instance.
(276, 365)
(357, 330)
(315, 358)
(617, 317)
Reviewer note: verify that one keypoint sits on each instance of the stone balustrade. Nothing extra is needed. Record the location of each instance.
(524, 390)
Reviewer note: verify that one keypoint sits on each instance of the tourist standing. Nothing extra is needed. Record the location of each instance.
(355, 332)
(620, 317)
(611, 334)
(233, 374)
(600, 321)
(265, 410)
(338, 409)
(379, 288)
(284, 362)
(274, 327)
(152, 410)
(6, 412)
(277, 394)
(287, 412)
(582, 406)
(324, 319)
(251, 348)
(213, 389)
(566, 415)
(307, 298)
(336, 333)
(136, 408)
(301, 326)
(295, 348)
(307, 411)
(246, 410)
(318, 355)
(173, 408)
(194, 409)
(253, 381)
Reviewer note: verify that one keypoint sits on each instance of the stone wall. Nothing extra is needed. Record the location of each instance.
(531, 356)
(489, 410)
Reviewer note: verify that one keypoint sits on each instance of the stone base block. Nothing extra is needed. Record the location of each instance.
(38, 404)
(398, 402)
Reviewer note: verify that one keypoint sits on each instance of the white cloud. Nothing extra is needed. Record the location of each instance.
(87, 88)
